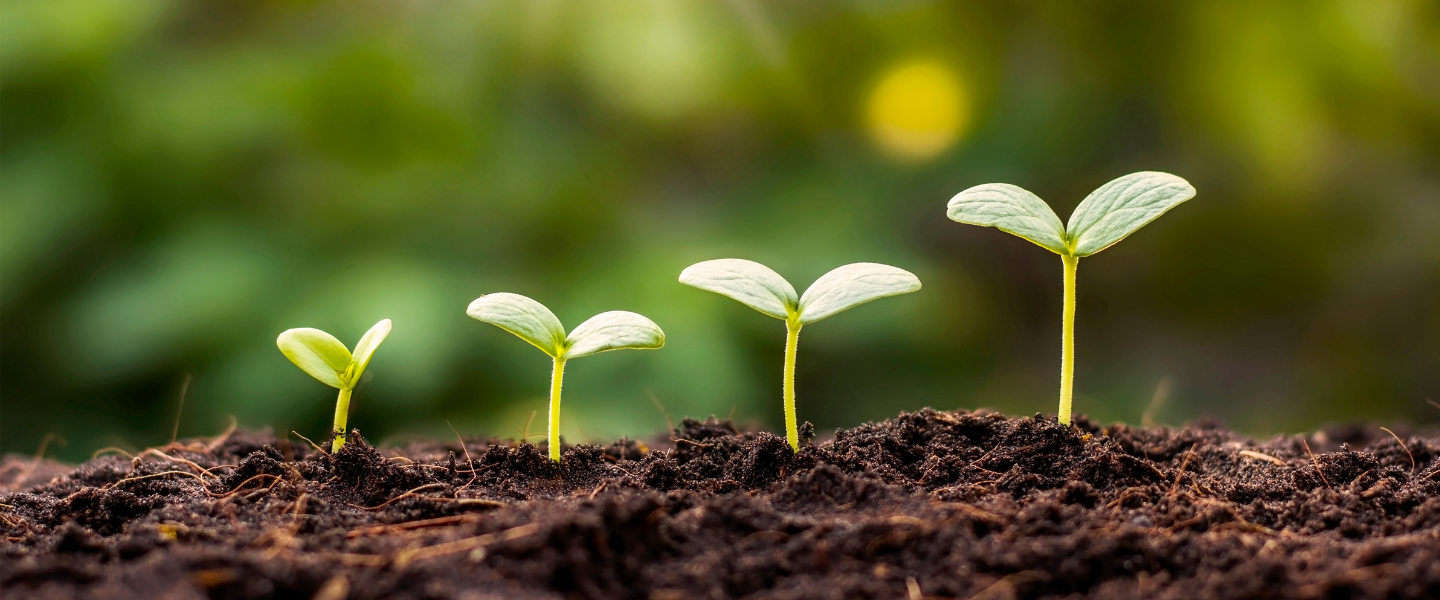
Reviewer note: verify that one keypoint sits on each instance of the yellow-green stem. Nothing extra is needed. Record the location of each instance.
(792, 432)
(342, 410)
(556, 377)
(1067, 343)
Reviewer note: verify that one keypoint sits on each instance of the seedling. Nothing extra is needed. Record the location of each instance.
(762, 289)
(532, 322)
(1115, 210)
(325, 358)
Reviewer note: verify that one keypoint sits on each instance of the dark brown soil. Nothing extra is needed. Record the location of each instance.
(926, 505)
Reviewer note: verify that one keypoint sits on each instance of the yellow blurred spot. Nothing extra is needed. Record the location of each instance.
(917, 110)
(210, 578)
(168, 531)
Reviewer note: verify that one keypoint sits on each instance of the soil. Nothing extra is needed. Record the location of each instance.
(926, 505)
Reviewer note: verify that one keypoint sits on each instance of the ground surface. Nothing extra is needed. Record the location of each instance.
(926, 505)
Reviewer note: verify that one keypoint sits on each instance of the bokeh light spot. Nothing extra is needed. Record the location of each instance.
(917, 110)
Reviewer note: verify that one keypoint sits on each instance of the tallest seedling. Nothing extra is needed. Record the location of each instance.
(1107, 215)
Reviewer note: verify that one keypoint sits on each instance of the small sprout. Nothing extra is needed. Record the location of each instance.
(1115, 210)
(325, 358)
(762, 289)
(532, 322)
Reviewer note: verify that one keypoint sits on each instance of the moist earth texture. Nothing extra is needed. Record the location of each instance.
(926, 505)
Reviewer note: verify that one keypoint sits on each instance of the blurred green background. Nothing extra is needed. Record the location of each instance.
(181, 181)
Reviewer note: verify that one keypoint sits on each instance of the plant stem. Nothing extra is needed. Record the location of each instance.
(342, 410)
(1067, 342)
(792, 432)
(556, 377)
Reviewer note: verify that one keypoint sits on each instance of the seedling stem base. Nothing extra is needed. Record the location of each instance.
(342, 410)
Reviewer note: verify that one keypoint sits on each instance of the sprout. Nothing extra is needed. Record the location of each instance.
(1107, 215)
(762, 289)
(325, 358)
(532, 322)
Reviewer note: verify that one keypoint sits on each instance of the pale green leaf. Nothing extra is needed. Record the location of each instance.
(614, 330)
(317, 353)
(524, 317)
(1012, 210)
(1119, 208)
(852, 285)
(366, 348)
(748, 282)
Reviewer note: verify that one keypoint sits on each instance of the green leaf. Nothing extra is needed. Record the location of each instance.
(852, 285)
(366, 348)
(317, 353)
(614, 330)
(1012, 210)
(748, 282)
(1121, 207)
(524, 317)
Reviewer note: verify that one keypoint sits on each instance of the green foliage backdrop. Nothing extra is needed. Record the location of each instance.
(181, 181)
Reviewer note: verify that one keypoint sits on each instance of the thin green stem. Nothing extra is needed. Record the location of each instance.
(342, 410)
(556, 377)
(792, 432)
(1067, 342)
